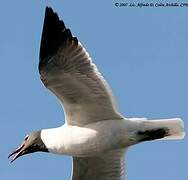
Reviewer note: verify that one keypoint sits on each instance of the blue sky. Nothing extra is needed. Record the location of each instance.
(142, 52)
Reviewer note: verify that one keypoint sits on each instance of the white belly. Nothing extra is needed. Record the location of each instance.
(90, 140)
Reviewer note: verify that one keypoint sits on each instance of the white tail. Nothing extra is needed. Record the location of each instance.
(161, 129)
(175, 127)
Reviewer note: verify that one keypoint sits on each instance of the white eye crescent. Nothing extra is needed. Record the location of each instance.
(26, 137)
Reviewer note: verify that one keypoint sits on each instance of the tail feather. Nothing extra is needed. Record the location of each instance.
(163, 129)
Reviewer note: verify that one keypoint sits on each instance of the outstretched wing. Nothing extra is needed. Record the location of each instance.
(67, 70)
(107, 167)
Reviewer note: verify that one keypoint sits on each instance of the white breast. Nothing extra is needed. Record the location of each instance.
(88, 140)
(70, 140)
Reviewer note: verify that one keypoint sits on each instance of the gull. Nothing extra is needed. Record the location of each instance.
(95, 133)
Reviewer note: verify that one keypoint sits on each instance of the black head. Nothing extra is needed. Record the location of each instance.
(31, 143)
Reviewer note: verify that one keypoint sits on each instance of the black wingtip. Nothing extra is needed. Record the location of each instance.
(48, 8)
(53, 35)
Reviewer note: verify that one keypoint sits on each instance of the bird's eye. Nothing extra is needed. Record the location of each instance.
(26, 137)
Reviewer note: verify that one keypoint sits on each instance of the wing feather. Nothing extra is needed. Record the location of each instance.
(105, 167)
(67, 70)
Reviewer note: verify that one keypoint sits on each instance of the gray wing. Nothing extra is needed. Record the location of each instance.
(107, 167)
(66, 69)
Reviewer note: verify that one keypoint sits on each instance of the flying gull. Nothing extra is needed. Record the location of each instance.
(95, 134)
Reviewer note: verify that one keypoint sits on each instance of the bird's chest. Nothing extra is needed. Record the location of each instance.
(86, 142)
(83, 141)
